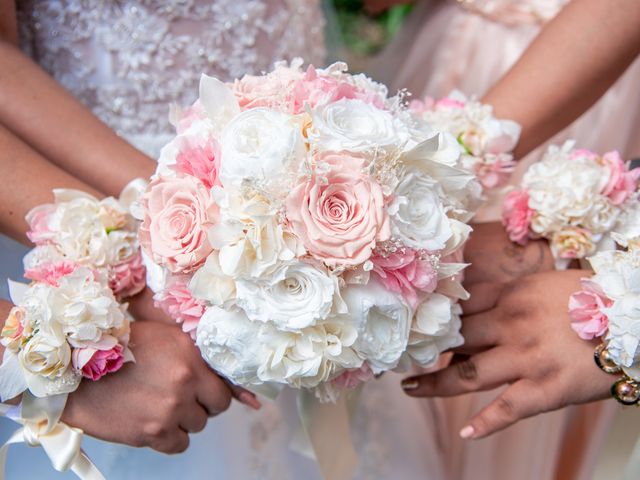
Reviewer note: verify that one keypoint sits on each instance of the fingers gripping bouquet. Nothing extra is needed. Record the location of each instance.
(306, 230)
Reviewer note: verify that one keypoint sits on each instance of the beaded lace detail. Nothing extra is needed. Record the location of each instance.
(128, 60)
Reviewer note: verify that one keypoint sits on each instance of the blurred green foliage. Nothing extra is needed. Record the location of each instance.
(364, 34)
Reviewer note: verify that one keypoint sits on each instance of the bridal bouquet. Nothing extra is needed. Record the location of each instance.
(306, 231)
(487, 142)
(573, 198)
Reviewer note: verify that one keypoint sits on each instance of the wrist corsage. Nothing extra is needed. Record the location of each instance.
(573, 198)
(608, 307)
(486, 142)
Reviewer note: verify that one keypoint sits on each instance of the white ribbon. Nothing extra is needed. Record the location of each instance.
(41, 427)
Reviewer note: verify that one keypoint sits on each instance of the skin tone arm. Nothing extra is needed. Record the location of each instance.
(45, 116)
(576, 58)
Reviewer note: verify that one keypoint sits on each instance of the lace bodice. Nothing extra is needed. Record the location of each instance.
(128, 60)
(515, 11)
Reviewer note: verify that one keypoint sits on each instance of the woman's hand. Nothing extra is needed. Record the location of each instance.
(157, 401)
(494, 258)
(519, 334)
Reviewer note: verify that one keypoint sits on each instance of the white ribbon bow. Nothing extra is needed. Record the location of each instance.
(41, 426)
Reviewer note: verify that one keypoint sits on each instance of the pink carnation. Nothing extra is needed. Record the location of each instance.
(405, 273)
(128, 278)
(583, 153)
(50, 272)
(622, 181)
(516, 216)
(419, 107)
(95, 364)
(38, 220)
(495, 173)
(447, 102)
(353, 377)
(191, 115)
(585, 311)
(177, 302)
(200, 161)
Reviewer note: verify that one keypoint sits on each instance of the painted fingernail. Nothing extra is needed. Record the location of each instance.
(410, 384)
(467, 432)
(249, 400)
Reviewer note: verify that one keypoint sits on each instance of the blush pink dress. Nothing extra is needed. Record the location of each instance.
(468, 45)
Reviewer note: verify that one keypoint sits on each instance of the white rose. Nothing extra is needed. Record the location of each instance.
(249, 237)
(601, 217)
(228, 342)
(417, 214)
(356, 126)
(295, 296)
(84, 308)
(383, 320)
(210, 284)
(260, 145)
(436, 328)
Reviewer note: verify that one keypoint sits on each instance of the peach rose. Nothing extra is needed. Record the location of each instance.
(178, 212)
(339, 217)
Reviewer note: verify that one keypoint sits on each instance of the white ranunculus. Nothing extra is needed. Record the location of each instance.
(417, 214)
(210, 284)
(436, 328)
(260, 145)
(601, 217)
(295, 296)
(383, 320)
(228, 341)
(356, 126)
(251, 240)
(84, 308)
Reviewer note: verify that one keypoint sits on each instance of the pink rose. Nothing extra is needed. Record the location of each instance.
(516, 216)
(200, 161)
(128, 278)
(353, 377)
(405, 273)
(95, 364)
(269, 90)
(177, 302)
(585, 311)
(622, 181)
(339, 217)
(495, 173)
(178, 212)
(50, 272)
(38, 220)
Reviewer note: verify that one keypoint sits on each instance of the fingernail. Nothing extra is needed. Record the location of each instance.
(250, 400)
(467, 432)
(410, 384)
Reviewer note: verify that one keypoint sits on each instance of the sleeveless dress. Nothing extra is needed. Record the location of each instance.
(127, 60)
(468, 45)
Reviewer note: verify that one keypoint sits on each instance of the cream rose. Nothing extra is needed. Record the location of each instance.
(417, 214)
(260, 145)
(340, 216)
(297, 295)
(178, 213)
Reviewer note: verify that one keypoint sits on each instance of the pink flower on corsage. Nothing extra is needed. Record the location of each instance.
(50, 272)
(419, 107)
(128, 278)
(572, 242)
(350, 379)
(516, 216)
(585, 311)
(340, 215)
(495, 173)
(622, 182)
(178, 212)
(200, 161)
(177, 302)
(405, 273)
(38, 220)
(94, 363)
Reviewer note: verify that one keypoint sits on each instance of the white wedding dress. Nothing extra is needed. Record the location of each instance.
(127, 61)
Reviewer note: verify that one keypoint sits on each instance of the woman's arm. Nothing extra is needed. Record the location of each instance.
(568, 67)
(50, 120)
